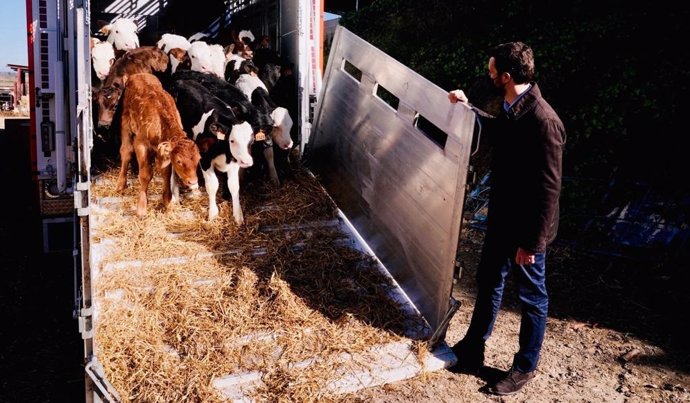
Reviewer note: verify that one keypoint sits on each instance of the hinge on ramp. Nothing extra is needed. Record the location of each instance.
(440, 331)
(105, 389)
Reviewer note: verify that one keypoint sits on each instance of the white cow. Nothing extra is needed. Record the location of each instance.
(207, 58)
(171, 41)
(282, 125)
(122, 34)
(200, 56)
(280, 134)
(218, 60)
(102, 57)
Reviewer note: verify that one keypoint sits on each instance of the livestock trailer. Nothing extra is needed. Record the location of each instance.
(375, 139)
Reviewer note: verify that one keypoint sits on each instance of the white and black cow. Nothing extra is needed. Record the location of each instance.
(223, 139)
(249, 81)
(227, 92)
(276, 135)
(203, 114)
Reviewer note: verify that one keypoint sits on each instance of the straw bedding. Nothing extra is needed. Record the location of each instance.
(182, 301)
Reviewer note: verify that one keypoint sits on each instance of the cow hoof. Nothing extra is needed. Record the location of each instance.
(195, 193)
(212, 213)
(239, 220)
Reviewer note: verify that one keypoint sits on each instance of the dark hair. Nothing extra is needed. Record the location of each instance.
(515, 58)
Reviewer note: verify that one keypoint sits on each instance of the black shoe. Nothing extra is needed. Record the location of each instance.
(470, 357)
(512, 382)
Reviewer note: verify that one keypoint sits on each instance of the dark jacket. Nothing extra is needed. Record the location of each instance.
(526, 167)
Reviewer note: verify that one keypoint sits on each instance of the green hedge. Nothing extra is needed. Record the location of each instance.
(615, 73)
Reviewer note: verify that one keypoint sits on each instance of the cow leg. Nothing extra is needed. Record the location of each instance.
(268, 155)
(211, 188)
(126, 149)
(168, 179)
(175, 188)
(234, 186)
(242, 176)
(145, 175)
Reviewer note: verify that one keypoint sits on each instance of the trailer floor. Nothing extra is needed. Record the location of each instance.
(291, 303)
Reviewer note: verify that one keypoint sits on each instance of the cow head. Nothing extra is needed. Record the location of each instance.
(201, 57)
(184, 156)
(240, 140)
(222, 122)
(108, 98)
(102, 57)
(179, 59)
(122, 34)
(144, 59)
(280, 133)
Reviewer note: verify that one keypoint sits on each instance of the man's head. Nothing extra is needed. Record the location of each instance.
(511, 61)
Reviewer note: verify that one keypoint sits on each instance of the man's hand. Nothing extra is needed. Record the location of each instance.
(523, 257)
(456, 96)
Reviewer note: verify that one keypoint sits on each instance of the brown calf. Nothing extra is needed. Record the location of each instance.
(152, 128)
(144, 59)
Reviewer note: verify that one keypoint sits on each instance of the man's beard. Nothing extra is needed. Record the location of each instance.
(498, 90)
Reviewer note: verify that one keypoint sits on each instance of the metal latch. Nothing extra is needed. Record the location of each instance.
(81, 199)
(85, 323)
(471, 179)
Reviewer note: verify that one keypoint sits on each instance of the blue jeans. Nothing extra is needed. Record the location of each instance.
(492, 271)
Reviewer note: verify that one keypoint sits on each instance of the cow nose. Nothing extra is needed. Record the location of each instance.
(246, 163)
(192, 183)
(105, 125)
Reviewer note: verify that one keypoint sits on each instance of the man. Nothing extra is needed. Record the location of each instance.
(526, 139)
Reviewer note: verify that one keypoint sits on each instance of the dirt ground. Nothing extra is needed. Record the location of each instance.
(614, 334)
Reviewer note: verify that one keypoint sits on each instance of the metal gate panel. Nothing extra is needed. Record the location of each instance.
(393, 153)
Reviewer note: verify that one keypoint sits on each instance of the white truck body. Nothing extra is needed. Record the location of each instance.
(388, 147)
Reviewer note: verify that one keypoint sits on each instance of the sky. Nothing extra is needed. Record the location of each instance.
(13, 34)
